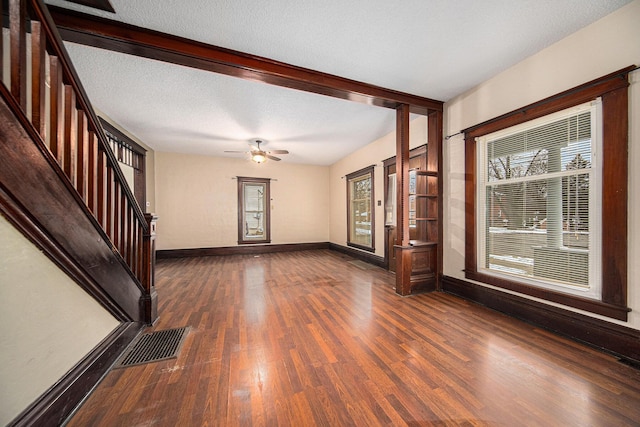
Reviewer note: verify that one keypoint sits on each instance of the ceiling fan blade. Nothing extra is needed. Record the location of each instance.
(235, 151)
(278, 152)
(273, 158)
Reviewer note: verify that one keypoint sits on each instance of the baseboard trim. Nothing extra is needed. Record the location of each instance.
(59, 402)
(618, 340)
(361, 255)
(240, 250)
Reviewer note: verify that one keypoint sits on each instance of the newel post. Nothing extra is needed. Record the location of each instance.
(149, 301)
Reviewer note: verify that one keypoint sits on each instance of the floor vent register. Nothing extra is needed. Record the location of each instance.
(153, 347)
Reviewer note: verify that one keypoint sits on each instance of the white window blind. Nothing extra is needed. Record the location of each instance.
(538, 215)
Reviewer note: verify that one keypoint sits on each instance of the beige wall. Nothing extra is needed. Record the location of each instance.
(607, 45)
(196, 200)
(372, 154)
(47, 323)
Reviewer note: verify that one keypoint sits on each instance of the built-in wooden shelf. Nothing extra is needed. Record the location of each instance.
(419, 243)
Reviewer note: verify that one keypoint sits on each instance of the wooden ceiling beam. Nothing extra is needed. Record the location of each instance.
(96, 4)
(107, 34)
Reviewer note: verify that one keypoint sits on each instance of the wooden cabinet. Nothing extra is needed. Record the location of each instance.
(420, 258)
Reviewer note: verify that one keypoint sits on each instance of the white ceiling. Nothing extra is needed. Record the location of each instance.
(432, 48)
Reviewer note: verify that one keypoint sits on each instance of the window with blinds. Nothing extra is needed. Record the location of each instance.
(538, 216)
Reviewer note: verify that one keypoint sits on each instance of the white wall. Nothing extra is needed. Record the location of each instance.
(608, 45)
(372, 154)
(197, 200)
(47, 323)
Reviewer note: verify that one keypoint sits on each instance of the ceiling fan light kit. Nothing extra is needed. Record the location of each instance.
(258, 155)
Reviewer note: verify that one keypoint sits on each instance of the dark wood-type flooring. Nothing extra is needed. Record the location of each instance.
(307, 338)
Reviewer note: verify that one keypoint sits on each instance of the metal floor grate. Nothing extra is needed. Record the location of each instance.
(154, 346)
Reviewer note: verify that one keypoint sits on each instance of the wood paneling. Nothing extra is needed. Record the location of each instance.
(306, 338)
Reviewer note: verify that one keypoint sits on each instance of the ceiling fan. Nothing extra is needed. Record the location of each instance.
(258, 155)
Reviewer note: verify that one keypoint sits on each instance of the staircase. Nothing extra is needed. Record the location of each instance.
(62, 187)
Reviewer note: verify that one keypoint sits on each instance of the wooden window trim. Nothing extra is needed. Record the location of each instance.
(363, 171)
(612, 89)
(135, 147)
(267, 210)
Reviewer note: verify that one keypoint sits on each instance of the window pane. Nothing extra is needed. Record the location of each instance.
(524, 238)
(254, 210)
(544, 149)
(253, 214)
(360, 210)
(537, 195)
(413, 189)
(390, 205)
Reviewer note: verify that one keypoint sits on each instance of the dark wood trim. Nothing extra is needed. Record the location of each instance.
(18, 50)
(619, 340)
(135, 158)
(615, 164)
(240, 250)
(119, 37)
(612, 89)
(59, 402)
(69, 76)
(369, 170)
(402, 177)
(574, 96)
(16, 215)
(41, 200)
(417, 160)
(361, 255)
(587, 304)
(149, 299)
(271, 248)
(414, 152)
(361, 247)
(434, 164)
(267, 210)
(117, 133)
(96, 4)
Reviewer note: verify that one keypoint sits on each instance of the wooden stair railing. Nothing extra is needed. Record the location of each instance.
(59, 110)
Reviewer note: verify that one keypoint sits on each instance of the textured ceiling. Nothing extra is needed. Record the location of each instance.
(431, 48)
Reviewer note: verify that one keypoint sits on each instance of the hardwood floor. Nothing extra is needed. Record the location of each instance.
(307, 338)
